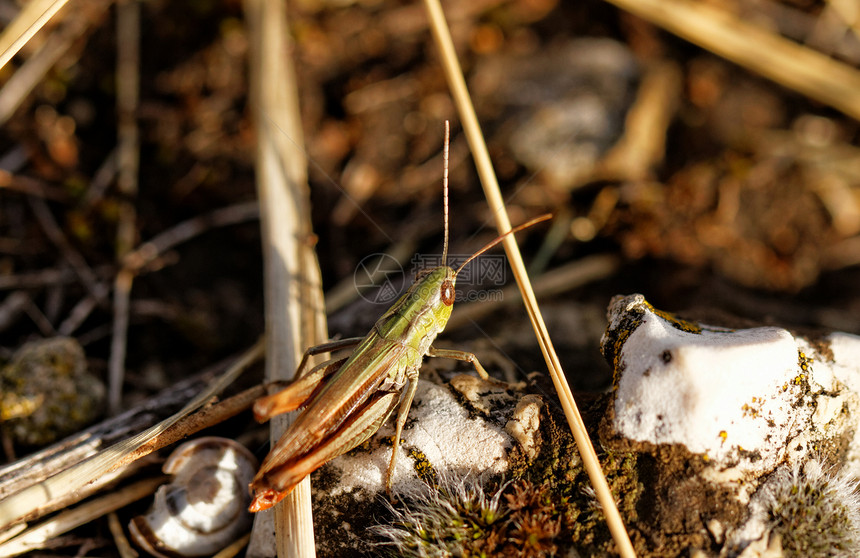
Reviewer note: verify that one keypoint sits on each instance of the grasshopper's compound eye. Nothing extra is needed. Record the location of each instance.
(446, 292)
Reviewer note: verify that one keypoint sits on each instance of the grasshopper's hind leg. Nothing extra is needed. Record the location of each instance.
(402, 414)
(296, 393)
(270, 487)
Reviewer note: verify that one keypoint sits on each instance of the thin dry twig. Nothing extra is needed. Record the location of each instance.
(120, 540)
(31, 187)
(73, 257)
(98, 290)
(128, 160)
(35, 313)
(795, 66)
(150, 250)
(12, 306)
(119, 330)
(81, 311)
(457, 84)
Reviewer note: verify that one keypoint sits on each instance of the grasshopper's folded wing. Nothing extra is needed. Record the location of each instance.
(374, 360)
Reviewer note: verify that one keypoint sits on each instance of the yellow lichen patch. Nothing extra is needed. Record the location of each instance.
(804, 361)
(423, 468)
(677, 323)
(805, 364)
(13, 406)
(724, 435)
(752, 408)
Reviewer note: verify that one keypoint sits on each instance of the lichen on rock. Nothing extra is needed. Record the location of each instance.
(749, 415)
(46, 392)
(747, 398)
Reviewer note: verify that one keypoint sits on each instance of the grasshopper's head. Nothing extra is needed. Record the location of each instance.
(423, 310)
(435, 287)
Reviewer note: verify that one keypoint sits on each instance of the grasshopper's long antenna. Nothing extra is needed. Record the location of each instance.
(445, 189)
(501, 237)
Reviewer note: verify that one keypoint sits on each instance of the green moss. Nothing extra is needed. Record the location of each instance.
(543, 511)
(816, 514)
(457, 518)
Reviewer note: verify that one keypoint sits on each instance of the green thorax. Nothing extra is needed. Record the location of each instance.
(420, 314)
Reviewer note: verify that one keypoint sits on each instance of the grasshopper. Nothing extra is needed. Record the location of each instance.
(346, 400)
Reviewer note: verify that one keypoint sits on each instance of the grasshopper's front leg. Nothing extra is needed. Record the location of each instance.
(466, 356)
(462, 356)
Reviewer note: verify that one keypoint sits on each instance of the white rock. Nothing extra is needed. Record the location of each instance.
(749, 397)
(524, 425)
(442, 430)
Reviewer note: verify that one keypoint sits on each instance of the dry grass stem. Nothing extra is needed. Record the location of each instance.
(21, 83)
(32, 18)
(36, 537)
(193, 423)
(792, 65)
(295, 314)
(7, 534)
(472, 129)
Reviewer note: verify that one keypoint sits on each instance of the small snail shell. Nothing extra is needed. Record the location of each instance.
(205, 507)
